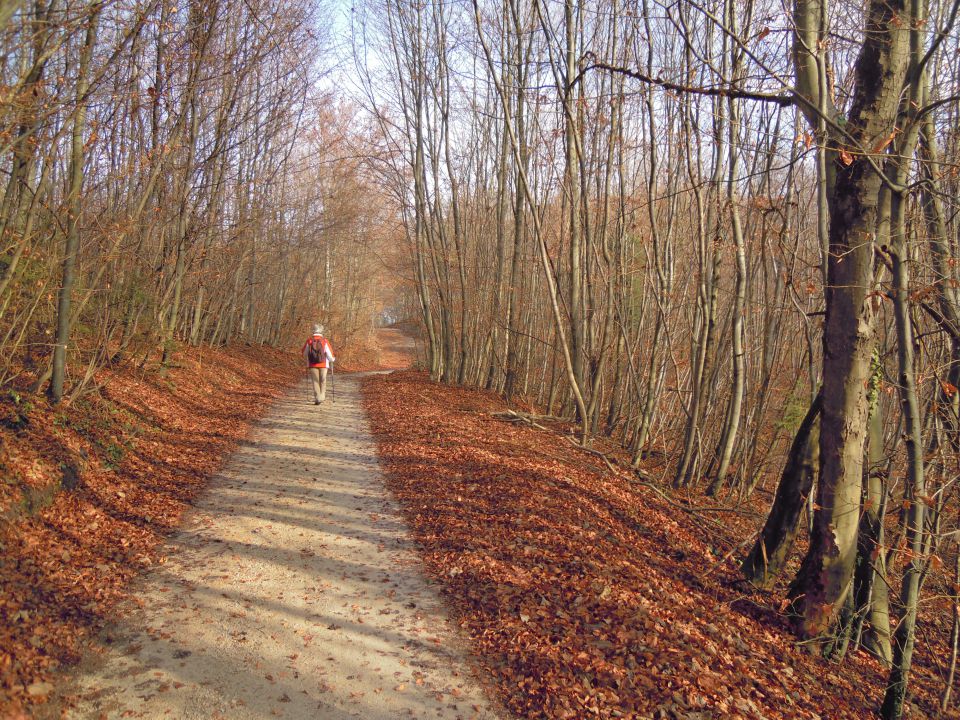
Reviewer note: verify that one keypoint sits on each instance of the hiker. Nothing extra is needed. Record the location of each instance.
(318, 354)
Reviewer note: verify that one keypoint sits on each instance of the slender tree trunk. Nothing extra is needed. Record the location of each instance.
(770, 553)
(870, 578)
(954, 637)
(72, 245)
(735, 407)
(904, 637)
(572, 194)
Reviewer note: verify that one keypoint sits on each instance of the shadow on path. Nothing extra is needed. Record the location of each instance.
(291, 591)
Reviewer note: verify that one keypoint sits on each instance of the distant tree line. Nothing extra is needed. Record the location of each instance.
(172, 173)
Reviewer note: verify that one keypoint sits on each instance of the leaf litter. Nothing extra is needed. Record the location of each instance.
(90, 489)
(588, 595)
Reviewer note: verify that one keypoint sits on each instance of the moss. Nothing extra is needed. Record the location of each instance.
(794, 410)
(32, 501)
(114, 453)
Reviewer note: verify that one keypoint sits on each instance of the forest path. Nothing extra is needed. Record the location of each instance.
(397, 348)
(292, 590)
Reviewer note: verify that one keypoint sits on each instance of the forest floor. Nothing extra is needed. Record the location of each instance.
(588, 593)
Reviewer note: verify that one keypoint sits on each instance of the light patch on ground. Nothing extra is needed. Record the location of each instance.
(291, 591)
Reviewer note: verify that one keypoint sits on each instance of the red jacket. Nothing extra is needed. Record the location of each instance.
(327, 356)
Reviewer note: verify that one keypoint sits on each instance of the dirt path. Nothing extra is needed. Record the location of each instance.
(292, 591)
(397, 348)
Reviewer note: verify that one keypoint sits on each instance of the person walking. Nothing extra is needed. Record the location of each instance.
(318, 354)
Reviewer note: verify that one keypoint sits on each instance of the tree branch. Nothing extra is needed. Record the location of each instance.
(726, 92)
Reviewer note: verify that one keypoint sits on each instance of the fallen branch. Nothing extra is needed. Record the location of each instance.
(515, 416)
(602, 456)
(694, 509)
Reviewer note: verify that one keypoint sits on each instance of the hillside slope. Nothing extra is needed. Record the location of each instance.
(590, 594)
(89, 489)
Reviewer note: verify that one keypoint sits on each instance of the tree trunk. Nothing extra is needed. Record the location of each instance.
(72, 244)
(870, 577)
(772, 549)
(738, 369)
(824, 581)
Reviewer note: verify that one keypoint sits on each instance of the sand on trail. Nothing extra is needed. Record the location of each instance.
(291, 591)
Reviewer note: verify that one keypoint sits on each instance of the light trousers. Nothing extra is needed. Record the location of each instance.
(319, 377)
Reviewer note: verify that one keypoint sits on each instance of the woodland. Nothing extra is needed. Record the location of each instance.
(716, 242)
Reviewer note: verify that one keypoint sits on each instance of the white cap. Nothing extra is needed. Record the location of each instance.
(318, 329)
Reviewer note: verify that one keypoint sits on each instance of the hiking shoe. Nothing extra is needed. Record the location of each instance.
(316, 402)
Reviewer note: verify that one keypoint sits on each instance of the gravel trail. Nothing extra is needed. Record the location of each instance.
(292, 591)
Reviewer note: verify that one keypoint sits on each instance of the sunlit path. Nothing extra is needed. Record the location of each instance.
(291, 591)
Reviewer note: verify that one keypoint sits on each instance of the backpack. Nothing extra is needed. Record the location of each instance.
(315, 353)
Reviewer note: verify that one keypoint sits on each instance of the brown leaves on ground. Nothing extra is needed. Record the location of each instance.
(585, 594)
(131, 457)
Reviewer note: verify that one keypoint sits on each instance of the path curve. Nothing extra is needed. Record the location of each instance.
(292, 590)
